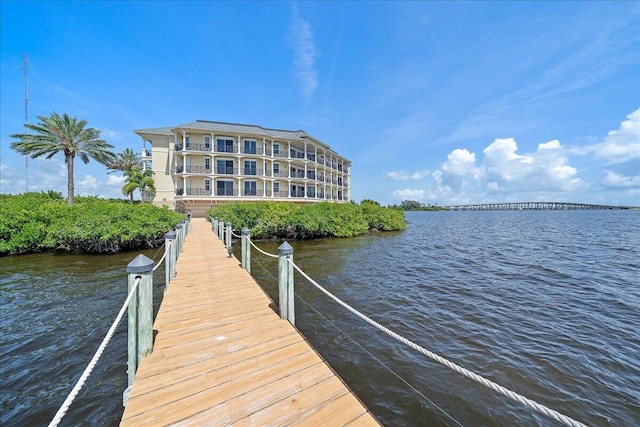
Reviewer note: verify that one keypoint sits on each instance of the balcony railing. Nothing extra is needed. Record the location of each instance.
(190, 146)
(227, 149)
(226, 192)
(193, 192)
(145, 153)
(283, 193)
(299, 193)
(226, 171)
(257, 150)
(257, 193)
(281, 174)
(252, 171)
(298, 174)
(280, 154)
(193, 169)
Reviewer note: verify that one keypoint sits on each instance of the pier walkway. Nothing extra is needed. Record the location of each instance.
(223, 356)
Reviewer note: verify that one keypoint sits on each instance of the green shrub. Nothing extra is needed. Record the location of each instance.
(308, 221)
(35, 222)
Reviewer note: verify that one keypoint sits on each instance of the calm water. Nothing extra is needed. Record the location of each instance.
(545, 303)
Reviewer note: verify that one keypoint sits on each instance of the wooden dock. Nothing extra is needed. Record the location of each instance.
(223, 356)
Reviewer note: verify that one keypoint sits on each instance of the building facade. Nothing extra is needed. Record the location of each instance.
(205, 163)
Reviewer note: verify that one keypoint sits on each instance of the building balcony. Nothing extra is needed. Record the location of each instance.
(299, 193)
(257, 151)
(190, 146)
(298, 174)
(227, 149)
(193, 169)
(145, 154)
(193, 192)
(252, 193)
(226, 171)
(251, 172)
(226, 192)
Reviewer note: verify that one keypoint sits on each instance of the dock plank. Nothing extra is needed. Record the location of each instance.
(223, 356)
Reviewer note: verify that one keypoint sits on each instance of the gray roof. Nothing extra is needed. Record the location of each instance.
(155, 131)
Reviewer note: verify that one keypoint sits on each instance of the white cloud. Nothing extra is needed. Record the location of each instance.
(85, 184)
(410, 194)
(622, 144)
(406, 176)
(616, 180)
(115, 181)
(305, 56)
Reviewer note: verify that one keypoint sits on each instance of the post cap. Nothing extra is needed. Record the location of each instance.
(285, 249)
(178, 226)
(245, 232)
(170, 234)
(228, 224)
(140, 264)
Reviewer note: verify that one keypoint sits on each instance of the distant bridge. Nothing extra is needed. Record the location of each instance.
(531, 206)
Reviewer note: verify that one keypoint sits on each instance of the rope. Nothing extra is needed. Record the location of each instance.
(261, 251)
(235, 235)
(161, 259)
(484, 381)
(157, 252)
(67, 403)
(380, 362)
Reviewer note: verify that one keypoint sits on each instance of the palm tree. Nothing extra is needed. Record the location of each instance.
(64, 134)
(138, 180)
(125, 161)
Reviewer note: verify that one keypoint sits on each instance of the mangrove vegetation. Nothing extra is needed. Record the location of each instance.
(38, 222)
(295, 221)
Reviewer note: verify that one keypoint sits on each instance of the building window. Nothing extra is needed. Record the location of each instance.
(250, 146)
(207, 142)
(224, 166)
(250, 167)
(276, 169)
(276, 187)
(186, 142)
(224, 188)
(276, 148)
(207, 185)
(224, 145)
(207, 163)
(250, 188)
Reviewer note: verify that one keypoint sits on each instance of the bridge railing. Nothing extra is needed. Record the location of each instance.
(286, 286)
(139, 303)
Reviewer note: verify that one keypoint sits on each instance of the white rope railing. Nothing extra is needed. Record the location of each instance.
(484, 381)
(162, 259)
(235, 235)
(261, 251)
(83, 378)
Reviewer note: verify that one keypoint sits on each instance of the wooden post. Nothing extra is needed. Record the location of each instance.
(285, 283)
(221, 229)
(169, 267)
(214, 224)
(228, 239)
(178, 239)
(140, 313)
(246, 249)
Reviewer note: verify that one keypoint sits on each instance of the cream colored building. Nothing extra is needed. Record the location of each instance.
(205, 163)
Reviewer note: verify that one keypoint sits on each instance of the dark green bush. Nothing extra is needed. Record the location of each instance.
(308, 221)
(36, 222)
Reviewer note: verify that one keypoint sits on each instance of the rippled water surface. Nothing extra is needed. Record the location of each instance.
(545, 303)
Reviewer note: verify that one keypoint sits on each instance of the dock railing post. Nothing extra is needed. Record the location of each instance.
(246, 249)
(214, 224)
(221, 230)
(228, 238)
(178, 239)
(285, 283)
(188, 221)
(169, 262)
(140, 340)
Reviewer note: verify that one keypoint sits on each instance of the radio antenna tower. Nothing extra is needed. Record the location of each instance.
(26, 118)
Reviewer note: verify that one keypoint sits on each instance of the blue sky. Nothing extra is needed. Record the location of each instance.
(441, 102)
